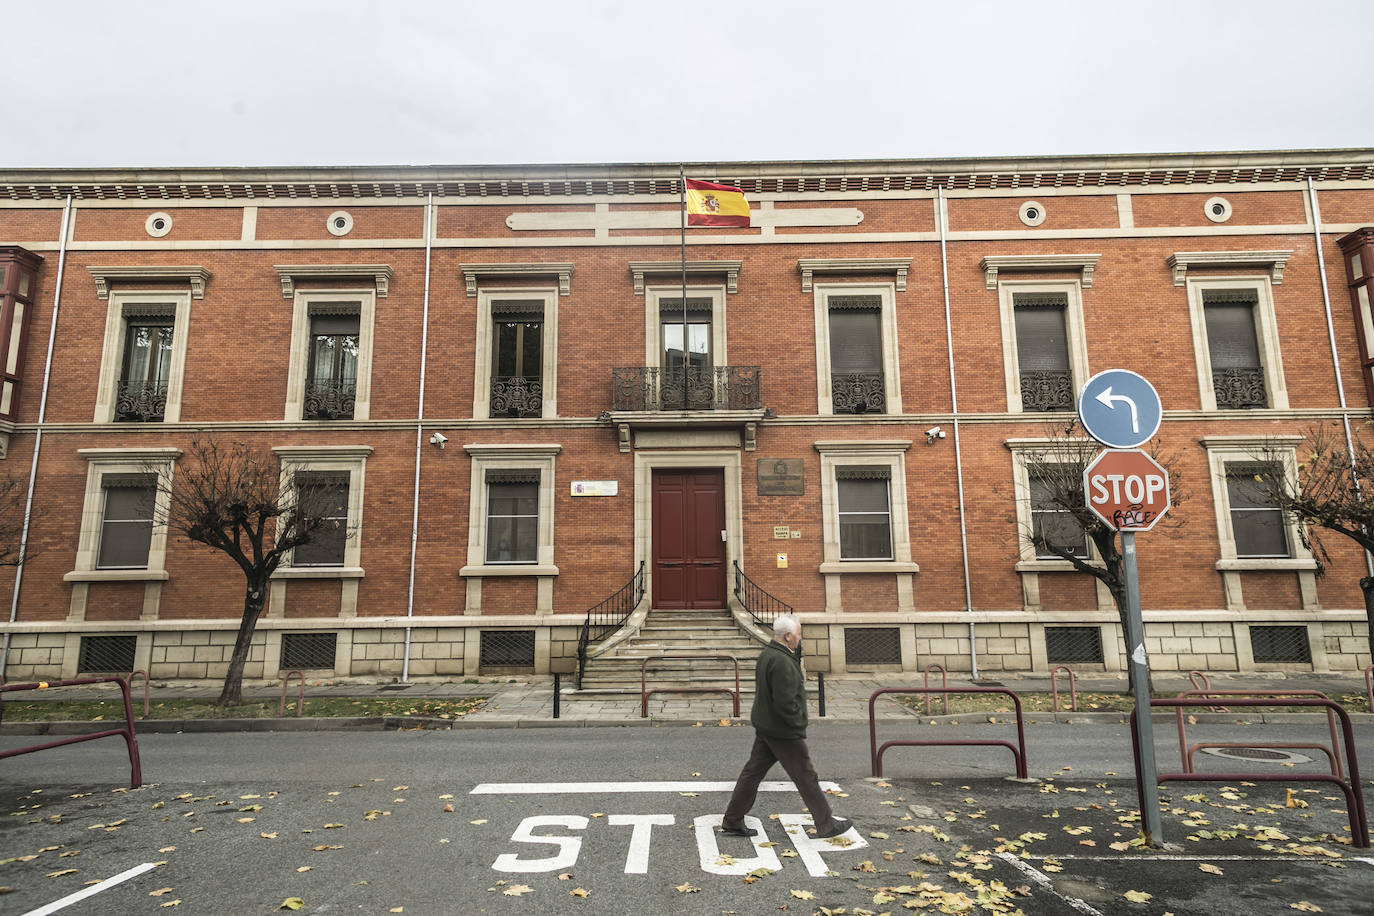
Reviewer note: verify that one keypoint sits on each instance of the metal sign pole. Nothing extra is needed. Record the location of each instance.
(1140, 679)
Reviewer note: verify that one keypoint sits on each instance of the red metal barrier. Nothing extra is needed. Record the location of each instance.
(1054, 687)
(1018, 750)
(134, 674)
(1205, 685)
(300, 701)
(1187, 751)
(944, 682)
(127, 732)
(1354, 795)
(645, 692)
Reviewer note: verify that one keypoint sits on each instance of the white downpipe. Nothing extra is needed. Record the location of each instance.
(419, 436)
(38, 433)
(958, 452)
(1331, 337)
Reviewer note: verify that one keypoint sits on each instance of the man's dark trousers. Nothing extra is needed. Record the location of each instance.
(796, 761)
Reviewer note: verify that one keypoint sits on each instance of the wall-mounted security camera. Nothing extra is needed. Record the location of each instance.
(934, 433)
(438, 439)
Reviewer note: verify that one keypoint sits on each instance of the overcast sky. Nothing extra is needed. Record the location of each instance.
(349, 82)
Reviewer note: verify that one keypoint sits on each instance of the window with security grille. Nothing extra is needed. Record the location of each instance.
(1042, 351)
(517, 362)
(307, 650)
(1053, 524)
(142, 392)
(1257, 525)
(323, 495)
(865, 512)
(856, 354)
(513, 516)
(107, 654)
(126, 526)
(1073, 644)
(507, 649)
(872, 646)
(1237, 374)
(1280, 644)
(331, 380)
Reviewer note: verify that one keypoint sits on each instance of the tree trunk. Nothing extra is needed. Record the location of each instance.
(254, 597)
(1367, 585)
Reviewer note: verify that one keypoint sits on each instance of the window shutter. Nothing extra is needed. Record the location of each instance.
(855, 341)
(513, 475)
(1231, 334)
(517, 310)
(1041, 340)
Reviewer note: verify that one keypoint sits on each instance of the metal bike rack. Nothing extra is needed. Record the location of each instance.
(1054, 687)
(300, 701)
(1205, 685)
(1354, 796)
(1018, 750)
(146, 685)
(645, 692)
(944, 682)
(127, 732)
(1187, 751)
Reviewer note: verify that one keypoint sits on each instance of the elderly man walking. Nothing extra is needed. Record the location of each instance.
(779, 719)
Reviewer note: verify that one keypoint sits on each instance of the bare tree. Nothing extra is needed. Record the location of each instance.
(1059, 517)
(232, 497)
(13, 495)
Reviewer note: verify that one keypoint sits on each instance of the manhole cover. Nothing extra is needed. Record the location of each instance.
(1261, 754)
(395, 687)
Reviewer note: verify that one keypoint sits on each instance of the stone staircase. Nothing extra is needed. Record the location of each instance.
(696, 632)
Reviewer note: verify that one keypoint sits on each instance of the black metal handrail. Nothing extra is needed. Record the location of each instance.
(699, 388)
(609, 616)
(763, 607)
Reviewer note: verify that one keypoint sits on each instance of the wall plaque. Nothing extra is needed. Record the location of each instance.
(780, 477)
(595, 487)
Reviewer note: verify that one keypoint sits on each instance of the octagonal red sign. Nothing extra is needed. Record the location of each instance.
(1127, 489)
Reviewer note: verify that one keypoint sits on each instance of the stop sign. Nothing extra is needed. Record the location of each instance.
(1127, 489)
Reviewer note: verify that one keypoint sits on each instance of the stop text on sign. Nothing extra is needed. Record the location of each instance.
(1127, 489)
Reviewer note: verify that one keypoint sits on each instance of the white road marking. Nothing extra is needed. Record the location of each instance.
(616, 788)
(810, 847)
(92, 890)
(637, 859)
(709, 850)
(1043, 880)
(568, 846)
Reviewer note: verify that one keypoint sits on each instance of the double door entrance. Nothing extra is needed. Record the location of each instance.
(688, 539)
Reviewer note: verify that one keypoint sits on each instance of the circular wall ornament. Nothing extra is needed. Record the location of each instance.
(340, 222)
(1032, 213)
(158, 225)
(1217, 209)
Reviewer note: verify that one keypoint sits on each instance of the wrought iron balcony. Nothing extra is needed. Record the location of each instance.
(1240, 387)
(513, 396)
(857, 392)
(140, 402)
(330, 398)
(1048, 390)
(702, 388)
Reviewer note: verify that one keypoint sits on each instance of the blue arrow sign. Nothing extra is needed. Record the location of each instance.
(1119, 408)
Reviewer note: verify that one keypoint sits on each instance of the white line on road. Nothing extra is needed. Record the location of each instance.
(1043, 880)
(92, 890)
(619, 788)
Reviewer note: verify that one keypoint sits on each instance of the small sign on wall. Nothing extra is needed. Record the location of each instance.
(780, 477)
(780, 532)
(782, 561)
(595, 487)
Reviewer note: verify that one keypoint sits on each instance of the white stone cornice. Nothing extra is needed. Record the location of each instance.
(993, 264)
(291, 274)
(313, 452)
(195, 276)
(1180, 261)
(561, 269)
(809, 267)
(642, 269)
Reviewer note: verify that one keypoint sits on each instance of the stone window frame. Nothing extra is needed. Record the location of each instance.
(1266, 335)
(110, 461)
(653, 322)
(482, 354)
(1074, 329)
(338, 459)
(112, 350)
(486, 457)
(1024, 454)
(892, 376)
(1225, 450)
(366, 297)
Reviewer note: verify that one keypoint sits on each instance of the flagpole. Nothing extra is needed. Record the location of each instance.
(682, 187)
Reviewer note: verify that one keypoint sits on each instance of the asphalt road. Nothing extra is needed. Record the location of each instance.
(357, 822)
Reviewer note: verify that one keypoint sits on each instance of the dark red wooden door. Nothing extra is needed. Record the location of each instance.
(688, 550)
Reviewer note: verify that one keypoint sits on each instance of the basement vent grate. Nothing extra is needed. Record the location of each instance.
(507, 649)
(872, 646)
(1073, 644)
(1280, 644)
(107, 654)
(308, 650)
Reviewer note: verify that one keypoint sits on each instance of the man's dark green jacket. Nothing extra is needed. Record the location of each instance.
(779, 694)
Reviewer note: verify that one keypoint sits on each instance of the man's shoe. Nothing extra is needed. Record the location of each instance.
(837, 827)
(741, 831)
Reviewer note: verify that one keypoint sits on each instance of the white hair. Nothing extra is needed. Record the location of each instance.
(786, 623)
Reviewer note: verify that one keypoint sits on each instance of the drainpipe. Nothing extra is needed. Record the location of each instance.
(941, 219)
(419, 435)
(38, 433)
(1331, 336)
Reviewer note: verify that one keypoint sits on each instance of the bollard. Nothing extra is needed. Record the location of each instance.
(820, 690)
(557, 693)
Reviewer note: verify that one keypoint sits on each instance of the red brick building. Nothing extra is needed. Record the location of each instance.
(486, 364)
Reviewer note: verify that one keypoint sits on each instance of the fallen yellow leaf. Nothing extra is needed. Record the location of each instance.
(159, 892)
(804, 895)
(579, 892)
(686, 888)
(1305, 907)
(304, 868)
(1138, 896)
(1209, 868)
(516, 890)
(448, 808)
(292, 903)
(176, 902)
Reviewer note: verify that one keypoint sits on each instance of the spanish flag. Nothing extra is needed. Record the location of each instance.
(715, 205)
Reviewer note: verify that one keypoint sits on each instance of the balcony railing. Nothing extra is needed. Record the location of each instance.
(1240, 387)
(140, 402)
(703, 388)
(514, 396)
(1047, 390)
(330, 398)
(857, 392)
